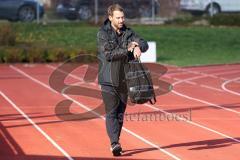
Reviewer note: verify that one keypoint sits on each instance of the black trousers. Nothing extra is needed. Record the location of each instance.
(115, 100)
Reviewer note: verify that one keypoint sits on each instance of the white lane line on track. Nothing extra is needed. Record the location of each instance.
(199, 100)
(216, 75)
(126, 130)
(97, 114)
(194, 83)
(203, 76)
(37, 127)
(154, 107)
(185, 71)
(71, 75)
(13, 148)
(176, 79)
(193, 123)
(212, 88)
(228, 90)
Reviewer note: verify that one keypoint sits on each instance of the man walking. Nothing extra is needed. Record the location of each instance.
(117, 44)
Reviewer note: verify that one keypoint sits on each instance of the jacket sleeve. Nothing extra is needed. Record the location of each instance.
(112, 51)
(143, 45)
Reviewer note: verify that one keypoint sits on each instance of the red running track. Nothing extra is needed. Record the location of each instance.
(198, 119)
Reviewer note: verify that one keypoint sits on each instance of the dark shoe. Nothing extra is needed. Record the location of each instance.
(116, 149)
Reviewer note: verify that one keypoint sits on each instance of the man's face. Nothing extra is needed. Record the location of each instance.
(117, 20)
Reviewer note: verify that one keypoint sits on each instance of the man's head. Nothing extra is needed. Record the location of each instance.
(116, 16)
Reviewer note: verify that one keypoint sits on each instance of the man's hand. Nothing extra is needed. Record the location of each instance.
(137, 52)
(132, 45)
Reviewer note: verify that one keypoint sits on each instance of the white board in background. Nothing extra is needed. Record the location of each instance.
(150, 56)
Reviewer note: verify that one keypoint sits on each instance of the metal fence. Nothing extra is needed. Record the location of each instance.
(95, 10)
(138, 11)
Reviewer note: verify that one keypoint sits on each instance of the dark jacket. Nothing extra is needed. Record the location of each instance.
(113, 54)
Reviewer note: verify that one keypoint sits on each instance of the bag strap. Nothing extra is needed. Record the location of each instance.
(139, 60)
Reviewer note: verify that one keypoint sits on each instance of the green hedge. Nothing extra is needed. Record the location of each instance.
(222, 19)
(225, 20)
(7, 35)
(34, 54)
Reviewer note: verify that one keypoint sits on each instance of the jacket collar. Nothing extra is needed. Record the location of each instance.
(107, 26)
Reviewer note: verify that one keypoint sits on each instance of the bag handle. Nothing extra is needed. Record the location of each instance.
(154, 101)
(139, 60)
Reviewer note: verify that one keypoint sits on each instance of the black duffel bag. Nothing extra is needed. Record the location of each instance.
(139, 83)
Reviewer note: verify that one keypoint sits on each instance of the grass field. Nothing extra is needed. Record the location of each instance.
(178, 45)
